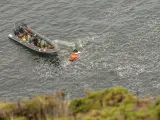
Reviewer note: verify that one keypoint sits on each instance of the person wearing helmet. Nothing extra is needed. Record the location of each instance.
(75, 54)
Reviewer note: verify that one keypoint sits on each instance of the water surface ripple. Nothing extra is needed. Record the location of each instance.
(120, 41)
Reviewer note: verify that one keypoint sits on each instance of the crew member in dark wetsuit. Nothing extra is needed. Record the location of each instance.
(21, 30)
(35, 41)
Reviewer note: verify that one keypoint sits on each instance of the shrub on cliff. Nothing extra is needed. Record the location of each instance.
(101, 99)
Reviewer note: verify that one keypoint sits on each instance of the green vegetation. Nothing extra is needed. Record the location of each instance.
(110, 104)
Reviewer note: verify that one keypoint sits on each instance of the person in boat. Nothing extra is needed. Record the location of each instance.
(27, 30)
(75, 54)
(21, 29)
(43, 44)
(22, 36)
(28, 37)
(35, 41)
(39, 42)
(15, 32)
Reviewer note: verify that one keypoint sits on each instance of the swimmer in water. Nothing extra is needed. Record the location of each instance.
(75, 54)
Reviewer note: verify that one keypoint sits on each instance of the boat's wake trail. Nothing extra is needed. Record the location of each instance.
(65, 44)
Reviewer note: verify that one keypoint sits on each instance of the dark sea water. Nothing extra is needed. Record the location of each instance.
(119, 42)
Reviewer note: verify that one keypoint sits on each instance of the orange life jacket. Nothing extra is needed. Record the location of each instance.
(73, 56)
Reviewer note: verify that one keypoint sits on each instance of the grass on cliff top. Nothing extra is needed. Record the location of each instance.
(109, 104)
